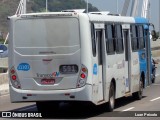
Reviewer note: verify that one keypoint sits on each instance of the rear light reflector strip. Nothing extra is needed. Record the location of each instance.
(82, 77)
(14, 78)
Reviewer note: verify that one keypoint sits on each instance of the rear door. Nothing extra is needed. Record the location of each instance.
(51, 50)
(127, 58)
(100, 60)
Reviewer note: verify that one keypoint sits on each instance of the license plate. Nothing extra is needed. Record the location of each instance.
(47, 81)
(68, 69)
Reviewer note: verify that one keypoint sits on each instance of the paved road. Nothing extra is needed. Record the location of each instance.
(150, 102)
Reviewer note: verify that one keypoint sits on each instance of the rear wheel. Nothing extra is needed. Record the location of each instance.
(153, 75)
(111, 102)
(153, 80)
(138, 95)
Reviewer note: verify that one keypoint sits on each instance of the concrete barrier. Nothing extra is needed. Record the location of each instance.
(4, 62)
(3, 76)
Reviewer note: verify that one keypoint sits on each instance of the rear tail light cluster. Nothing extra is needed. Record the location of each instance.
(14, 78)
(82, 77)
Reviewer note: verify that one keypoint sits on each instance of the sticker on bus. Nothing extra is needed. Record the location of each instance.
(52, 75)
(95, 69)
(23, 67)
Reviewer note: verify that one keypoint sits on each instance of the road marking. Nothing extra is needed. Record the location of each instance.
(129, 109)
(157, 75)
(156, 84)
(27, 108)
(155, 99)
(4, 95)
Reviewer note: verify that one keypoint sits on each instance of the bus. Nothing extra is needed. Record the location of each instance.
(77, 57)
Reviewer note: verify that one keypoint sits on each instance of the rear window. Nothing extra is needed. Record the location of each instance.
(46, 32)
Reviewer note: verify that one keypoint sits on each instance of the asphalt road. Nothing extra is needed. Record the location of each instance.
(124, 107)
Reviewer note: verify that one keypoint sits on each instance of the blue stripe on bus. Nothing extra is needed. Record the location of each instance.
(142, 62)
(141, 20)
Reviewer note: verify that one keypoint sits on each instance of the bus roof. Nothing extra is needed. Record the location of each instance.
(92, 17)
(141, 20)
(111, 18)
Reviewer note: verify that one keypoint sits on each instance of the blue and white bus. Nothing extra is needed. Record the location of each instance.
(77, 57)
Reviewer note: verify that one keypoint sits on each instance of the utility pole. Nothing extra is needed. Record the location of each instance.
(46, 5)
(125, 7)
(117, 7)
(134, 8)
(87, 6)
(24, 6)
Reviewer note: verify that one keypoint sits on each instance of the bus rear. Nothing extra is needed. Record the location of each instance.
(44, 61)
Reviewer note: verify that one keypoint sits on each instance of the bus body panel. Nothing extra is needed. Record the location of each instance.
(43, 50)
(79, 94)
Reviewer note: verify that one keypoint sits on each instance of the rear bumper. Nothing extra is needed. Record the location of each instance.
(79, 94)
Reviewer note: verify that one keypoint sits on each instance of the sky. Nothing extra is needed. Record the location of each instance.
(110, 5)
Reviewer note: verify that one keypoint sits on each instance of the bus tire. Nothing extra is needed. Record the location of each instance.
(111, 102)
(138, 95)
(47, 106)
(153, 80)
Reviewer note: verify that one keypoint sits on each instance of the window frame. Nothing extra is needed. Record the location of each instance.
(119, 39)
(93, 40)
(107, 39)
(134, 37)
(140, 38)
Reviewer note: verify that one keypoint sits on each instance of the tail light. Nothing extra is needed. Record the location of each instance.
(14, 78)
(82, 77)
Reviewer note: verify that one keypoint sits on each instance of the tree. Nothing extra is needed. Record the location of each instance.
(59, 5)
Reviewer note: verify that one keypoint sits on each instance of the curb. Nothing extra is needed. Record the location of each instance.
(4, 89)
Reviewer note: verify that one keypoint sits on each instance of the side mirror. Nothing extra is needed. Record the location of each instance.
(153, 33)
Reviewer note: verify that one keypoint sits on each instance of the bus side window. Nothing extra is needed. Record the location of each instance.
(110, 43)
(93, 40)
(140, 32)
(119, 39)
(134, 38)
(141, 37)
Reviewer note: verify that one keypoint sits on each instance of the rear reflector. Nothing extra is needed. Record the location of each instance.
(84, 69)
(47, 81)
(12, 71)
(14, 77)
(83, 75)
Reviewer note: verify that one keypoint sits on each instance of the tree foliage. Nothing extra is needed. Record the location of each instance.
(9, 7)
(59, 5)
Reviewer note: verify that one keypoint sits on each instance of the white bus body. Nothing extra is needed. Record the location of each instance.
(51, 59)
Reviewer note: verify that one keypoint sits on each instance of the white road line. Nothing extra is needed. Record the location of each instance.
(155, 99)
(157, 75)
(129, 109)
(156, 84)
(4, 95)
(27, 108)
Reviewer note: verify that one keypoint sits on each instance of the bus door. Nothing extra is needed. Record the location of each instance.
(148, 57)
(100, 59)
(127, 58)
